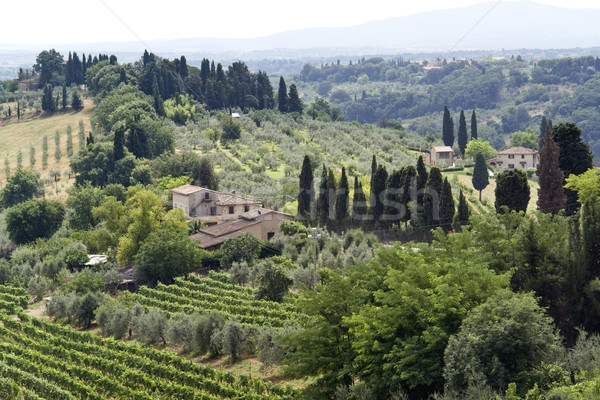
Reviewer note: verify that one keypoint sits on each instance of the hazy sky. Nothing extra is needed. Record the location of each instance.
(69, 21)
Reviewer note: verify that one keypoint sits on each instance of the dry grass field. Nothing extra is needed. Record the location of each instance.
(20, 136)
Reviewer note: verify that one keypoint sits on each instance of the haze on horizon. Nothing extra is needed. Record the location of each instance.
(73, 21)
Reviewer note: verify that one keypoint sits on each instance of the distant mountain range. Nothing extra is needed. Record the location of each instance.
(485, 26)
(522, 24)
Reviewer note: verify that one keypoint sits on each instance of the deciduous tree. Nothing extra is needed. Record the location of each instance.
(512, 191)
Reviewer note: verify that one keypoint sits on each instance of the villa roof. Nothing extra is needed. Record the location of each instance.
(442, 149)
(518, 150)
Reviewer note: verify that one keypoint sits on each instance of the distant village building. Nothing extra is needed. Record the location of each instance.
(210, 206)
(261, 223)
(441, 156)
(515, 158)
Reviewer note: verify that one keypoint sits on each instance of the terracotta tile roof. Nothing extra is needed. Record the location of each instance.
(208, 241)
(227, 227)
(187, 189)
(442, 149)
(226, 199)
(252, 214)
(518, 150)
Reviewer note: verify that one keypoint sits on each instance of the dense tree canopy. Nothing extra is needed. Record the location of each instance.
(512, 191)
(33, 219)
(21, 186)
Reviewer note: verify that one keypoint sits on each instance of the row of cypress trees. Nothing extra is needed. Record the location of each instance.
(409, 194)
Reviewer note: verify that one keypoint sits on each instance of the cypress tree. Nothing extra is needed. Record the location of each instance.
(158, 101)
(64, 96)
(76, 102)
(282, 96)
(69, 141)
(447, 209)
(422, 176)
(480, 178)
(20, 159)
(18, 111)
(393, 196)
(462, 215)
(543, 126)
(512, 191)
(294, 102)
(373, 171)
(323, 199)
(431, 198)
(378, 190)
(473, 126)
(331, 192)
(48, 100)
(119, 143)
(359, 202)
(551, 196)
(409, 188)
(81, 135)
(448, 128)
(57, 152)
(45, 152)
(574, 157)
(462, 133)
(305, 194)
(31, 156)
(341, 200)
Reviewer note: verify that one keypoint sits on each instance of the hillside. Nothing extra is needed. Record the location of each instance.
(20, 136)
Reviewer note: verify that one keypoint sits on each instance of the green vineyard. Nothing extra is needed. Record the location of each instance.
(43, 360)
(207, 294)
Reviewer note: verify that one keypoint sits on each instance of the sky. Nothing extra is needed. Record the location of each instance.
(91, 21)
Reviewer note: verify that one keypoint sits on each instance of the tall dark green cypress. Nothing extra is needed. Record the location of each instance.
(282, 96)
(422, 176)
(462, 214)
(119, 143)
(158, 101)
(462, 133)
(373, 171)
(305, 194)
(447, 208)
(551, 196)
(473, 126)
(379, 186)
(359, 203)
(574, 157)
(323, 199)
(448, 128)
(431, 198)
(48, 104)
(331, 192)
(480, 177)
(393, 197)
(341, 200)
(408, 192)
(64, 96)
(294, 102)
(543, 126)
